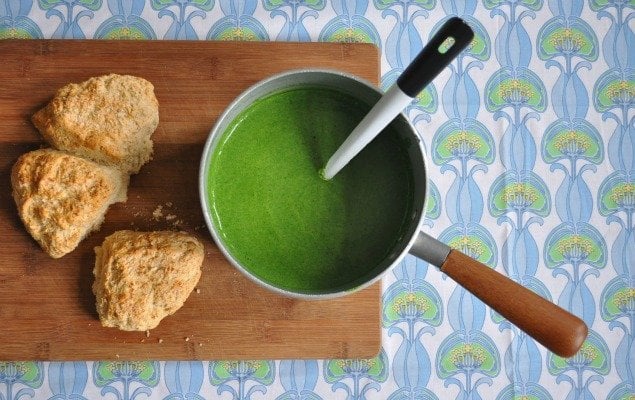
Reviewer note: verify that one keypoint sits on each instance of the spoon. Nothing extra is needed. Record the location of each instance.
(450, 40)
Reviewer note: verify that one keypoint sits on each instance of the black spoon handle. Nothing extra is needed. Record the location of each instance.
(449, 41)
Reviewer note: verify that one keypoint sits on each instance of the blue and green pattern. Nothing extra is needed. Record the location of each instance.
(126, 22)
(136, 376)
(238, 23)
(357, 376)
(614, 98)
(350, 25)
(241, 378)
(14, 20)
(19, 379)
(182, 15)
(530, 137)
(69, 14)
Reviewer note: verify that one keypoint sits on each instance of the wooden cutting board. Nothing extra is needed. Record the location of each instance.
(47, 307)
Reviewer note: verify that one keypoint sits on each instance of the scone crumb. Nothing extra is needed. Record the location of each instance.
(173, 219)
(200, 345)
(158, 212)
(160, 340)
(187, 338)
(147, 333)
(198, 290)
(117, 355)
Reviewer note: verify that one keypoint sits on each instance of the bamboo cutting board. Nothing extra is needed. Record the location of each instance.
(47, 307)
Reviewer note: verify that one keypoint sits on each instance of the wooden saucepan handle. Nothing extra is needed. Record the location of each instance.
(558, 330)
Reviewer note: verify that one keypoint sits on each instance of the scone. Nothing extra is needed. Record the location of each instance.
(142, 277)
(61, 198)
(108, 119)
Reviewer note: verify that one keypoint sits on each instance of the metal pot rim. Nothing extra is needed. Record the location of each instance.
(241, 102)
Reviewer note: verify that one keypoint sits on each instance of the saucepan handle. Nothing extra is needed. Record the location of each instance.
(558, 330)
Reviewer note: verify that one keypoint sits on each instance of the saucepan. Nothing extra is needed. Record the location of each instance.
(552, 326)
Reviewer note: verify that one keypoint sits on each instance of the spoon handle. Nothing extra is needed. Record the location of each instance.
(451, 39)
(382, 113)
(454, 36)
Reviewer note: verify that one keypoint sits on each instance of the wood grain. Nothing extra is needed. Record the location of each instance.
(555, 328)
(46, 306)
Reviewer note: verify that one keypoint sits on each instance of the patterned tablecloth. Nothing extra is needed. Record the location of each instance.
(531, 138)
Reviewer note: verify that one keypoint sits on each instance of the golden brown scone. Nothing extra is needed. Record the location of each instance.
(108, 119)
(61, 198)
(142, 277)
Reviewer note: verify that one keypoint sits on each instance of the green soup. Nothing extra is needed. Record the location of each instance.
(280, 219)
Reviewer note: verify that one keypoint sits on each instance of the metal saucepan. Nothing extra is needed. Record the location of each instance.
(558, 330)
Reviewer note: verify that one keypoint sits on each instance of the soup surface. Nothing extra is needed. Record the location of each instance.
(280, 219)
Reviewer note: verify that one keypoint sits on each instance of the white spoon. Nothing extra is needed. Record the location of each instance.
(451, 39)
